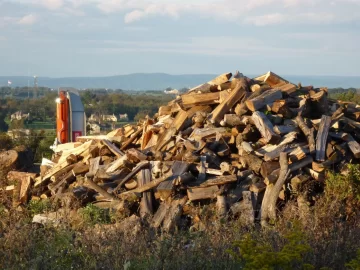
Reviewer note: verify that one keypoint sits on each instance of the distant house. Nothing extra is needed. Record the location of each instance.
(19, 115)
(109, 118)
(123, 117)
(94, 128)
(18, 133)
(173, 91)
(95, 117)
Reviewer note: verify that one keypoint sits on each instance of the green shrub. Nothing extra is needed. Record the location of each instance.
(57, 250)
(94, 215)
(254, 254)
(39, 206)
(354, 264)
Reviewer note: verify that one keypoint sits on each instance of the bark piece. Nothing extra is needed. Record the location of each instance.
(321, 139)
(195, 194)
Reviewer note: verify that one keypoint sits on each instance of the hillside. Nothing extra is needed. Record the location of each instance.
(160, 81)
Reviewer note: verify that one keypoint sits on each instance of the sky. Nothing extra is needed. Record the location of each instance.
(61, 38)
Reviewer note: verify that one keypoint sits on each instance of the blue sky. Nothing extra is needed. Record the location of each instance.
(59, 38)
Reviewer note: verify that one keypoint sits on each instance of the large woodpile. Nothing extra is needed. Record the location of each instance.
(242, 145)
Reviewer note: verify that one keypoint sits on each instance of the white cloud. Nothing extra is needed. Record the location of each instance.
(256, 12)
(301, 18)
(267, 19)
(52, 4)
(28, 19)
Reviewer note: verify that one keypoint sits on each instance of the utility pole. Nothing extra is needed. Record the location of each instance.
(35, 86)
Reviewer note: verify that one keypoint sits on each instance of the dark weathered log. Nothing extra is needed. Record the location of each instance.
(174, 214)
(245, 209)
(321, 139)
(309, 133)
(146, 203)
(319, 104)
(160, 214)
(285, 129)
(284, 173)
(272, 191)
(265, 127)
(268, 167)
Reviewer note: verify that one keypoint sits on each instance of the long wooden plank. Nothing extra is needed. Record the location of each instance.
(190, 100)
(219, 180)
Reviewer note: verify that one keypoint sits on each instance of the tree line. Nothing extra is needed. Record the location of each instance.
(102, 101)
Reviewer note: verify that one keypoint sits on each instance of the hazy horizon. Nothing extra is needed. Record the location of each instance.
(159, 81)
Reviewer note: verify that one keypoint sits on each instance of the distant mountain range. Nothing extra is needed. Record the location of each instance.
(160, 81)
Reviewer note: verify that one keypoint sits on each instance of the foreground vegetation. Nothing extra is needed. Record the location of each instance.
(91, 238)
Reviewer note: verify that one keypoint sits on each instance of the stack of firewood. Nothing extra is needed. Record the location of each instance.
(243, 145)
